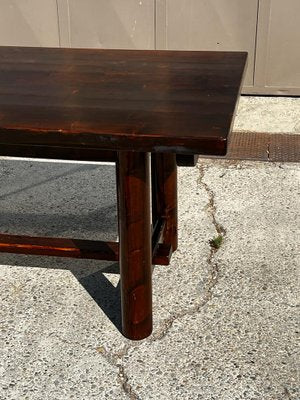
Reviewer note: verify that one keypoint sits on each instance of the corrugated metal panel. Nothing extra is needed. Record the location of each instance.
(29, 23)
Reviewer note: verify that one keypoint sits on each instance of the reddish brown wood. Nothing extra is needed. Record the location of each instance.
(56, 152)
(133, 177)
(185, 160)
(77, 103)
(59, 247)
(157, 233)
(163, 254)
(179, 101)
(164, 195)
(77, 153)
(73, 248)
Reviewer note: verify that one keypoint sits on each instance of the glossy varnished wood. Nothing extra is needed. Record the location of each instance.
(133, 182)
(57, 152)
(76, 153)
(174, 101)
(59, 247)
(186, 160)
(118, 105)
(164, 195)
(73, 248)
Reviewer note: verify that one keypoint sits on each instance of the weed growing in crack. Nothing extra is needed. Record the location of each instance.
(216, 242)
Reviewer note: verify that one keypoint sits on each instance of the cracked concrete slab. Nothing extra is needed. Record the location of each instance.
(268, 114)
(225, 320)
(216, 354)
(242, 343)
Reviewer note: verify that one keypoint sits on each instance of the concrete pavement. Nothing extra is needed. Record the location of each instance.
(226, 320)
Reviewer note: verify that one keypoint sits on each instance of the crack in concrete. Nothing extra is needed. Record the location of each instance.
(268, 152)
(112, 359)
(211, 201)
(127, 388)
(168, 323)
(287, 393)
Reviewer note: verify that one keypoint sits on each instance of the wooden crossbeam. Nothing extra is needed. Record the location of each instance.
(73, 248)
(57, 152)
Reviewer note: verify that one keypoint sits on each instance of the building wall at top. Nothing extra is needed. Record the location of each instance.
(278, 48)
(213, 25)
(29, 23)
(111, 24)
(267, 29)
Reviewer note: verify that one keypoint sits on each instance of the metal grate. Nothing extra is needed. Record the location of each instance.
(263, 147)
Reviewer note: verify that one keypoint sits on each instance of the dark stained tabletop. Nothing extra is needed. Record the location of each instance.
(176, 101)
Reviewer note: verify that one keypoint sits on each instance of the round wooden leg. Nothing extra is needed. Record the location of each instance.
(133, 182)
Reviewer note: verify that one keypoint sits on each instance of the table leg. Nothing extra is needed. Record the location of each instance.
(164, 194)
(133, 183)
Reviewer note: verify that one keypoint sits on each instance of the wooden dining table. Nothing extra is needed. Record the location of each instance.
(142, 109)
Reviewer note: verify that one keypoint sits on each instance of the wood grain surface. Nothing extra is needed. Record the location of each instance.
(142, 100)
